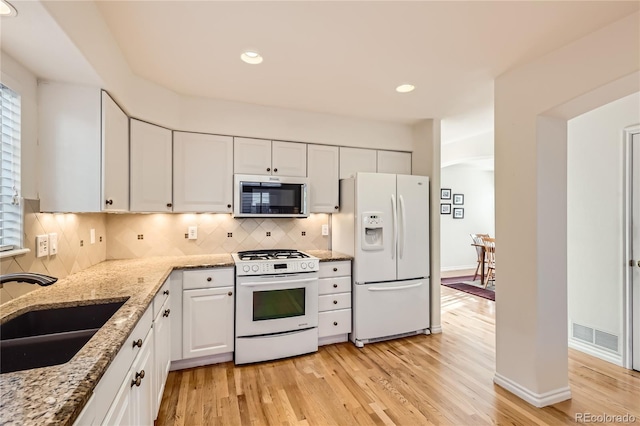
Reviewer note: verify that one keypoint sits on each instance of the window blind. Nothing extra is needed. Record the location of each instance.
(10, 209)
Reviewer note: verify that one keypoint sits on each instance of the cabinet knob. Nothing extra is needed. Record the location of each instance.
(335, 302)
(137, 343)
(166, 292)
(169, 205)
(275, 170)
(335, 207)
(268, 169)
(335, 286)
(109, 202)
(209, 279)
(136, 382)
(230, 293)
(166, 312)
(335, 269)
(140, 374)
(335, 323)
(228, 206)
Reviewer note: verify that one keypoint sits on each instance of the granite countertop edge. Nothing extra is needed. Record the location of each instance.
(57, 394)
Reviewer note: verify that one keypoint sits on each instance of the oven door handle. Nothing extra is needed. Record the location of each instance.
(258, 284)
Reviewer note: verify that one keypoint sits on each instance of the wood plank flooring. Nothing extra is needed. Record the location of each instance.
(443, 379)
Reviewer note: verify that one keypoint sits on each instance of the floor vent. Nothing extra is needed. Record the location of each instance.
(595, 337)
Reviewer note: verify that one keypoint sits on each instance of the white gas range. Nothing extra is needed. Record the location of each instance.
(276, 304)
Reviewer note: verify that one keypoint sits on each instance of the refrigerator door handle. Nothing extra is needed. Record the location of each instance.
(395, 226)
(403, 226)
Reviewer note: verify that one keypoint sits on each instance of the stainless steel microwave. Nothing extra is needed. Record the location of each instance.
(270, 196)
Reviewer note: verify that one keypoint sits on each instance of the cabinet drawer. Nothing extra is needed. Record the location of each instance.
(207, 278)
(334, 285)
(334, 322)
(160, 298)
(331, 302)
(335, 269)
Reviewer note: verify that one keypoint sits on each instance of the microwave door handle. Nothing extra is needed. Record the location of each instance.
(263, 283)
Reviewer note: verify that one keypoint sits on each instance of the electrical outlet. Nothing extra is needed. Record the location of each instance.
(92, 236)
(42, 245)
(193, 232)
(325, 229)
(53, 244)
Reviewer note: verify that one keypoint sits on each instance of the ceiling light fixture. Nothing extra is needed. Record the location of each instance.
(251, 57)
(405, 88)
(7, 9)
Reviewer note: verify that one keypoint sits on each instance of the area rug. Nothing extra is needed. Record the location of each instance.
(468, 286)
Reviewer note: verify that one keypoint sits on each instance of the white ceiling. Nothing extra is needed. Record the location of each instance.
(339, 57)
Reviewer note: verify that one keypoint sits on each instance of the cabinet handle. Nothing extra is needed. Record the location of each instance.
(209, 278)
(335, 269)
(230, 293)
(335, 207)
(166, 312)
(169, 205)
(166, 292)
(136, 382)
(109, 202)
(268, 169)
(275, 170)
(228, 206)
(137, 343)
(335, 286)
(335, 302)
(335, 323)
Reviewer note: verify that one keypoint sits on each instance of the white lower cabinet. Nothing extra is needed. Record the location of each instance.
(334, 302)
(162, 351)
(207, 313)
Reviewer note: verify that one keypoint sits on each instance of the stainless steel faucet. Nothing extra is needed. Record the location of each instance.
(28, 277)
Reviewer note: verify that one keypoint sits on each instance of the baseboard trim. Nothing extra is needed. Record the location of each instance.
(535, 399)
(200, 361)
(436, 329)
(330, 340)
(458, 268)
(596, 352)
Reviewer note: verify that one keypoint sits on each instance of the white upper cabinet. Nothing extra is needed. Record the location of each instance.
(353, 160)
(324, 184)
(202, 173)
(115, 156)
(69, 148)
(150, 168)
(394, 162)
(264, 157)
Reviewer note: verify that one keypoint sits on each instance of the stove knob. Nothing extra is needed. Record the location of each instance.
(254, 268)
(246, 268)
(311, 265)
(303, 265)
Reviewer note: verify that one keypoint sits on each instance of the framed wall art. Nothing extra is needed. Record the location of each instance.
(445, 208)
(458, 199)
(445, 194)
(458, 213)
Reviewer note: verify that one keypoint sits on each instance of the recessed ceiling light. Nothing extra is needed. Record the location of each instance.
(7, 9)
(405, 88)
(251, 57)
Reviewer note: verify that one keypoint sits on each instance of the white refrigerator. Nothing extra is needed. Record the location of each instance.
(384, 224)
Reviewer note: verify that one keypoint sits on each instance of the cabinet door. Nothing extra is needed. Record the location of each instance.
(394, 162)
(162, 354)
(251, 156)
(207, 322)
(150, 167)
(202, 173)
(142, 395)
(289, 159)
(115, 156)
(120, 412)
(353, 160)
(324, 184)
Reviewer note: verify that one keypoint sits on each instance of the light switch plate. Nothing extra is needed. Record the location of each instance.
(53, 243)
(193, 232)
(42, 245)
(325, 229)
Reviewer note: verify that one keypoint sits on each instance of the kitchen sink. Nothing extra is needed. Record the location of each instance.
(50, 336)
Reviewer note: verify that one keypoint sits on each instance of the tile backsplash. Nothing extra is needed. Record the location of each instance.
(75, 251)
(161, 234)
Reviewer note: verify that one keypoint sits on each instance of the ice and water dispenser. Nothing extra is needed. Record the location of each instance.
(372, 234)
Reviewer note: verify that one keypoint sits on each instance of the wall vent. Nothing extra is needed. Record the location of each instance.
(595, 337)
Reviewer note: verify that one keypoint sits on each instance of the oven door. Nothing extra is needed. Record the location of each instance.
(270, 304)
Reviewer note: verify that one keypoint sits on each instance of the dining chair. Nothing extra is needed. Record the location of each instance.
(478, 244)
(490, 252)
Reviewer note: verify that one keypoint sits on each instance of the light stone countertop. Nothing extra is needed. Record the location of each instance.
(57, 394)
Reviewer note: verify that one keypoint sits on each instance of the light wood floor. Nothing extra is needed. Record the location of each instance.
(421, 380)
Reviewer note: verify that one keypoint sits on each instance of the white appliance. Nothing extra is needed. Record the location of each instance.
(276, 304)
(384, 224)
(270, 196)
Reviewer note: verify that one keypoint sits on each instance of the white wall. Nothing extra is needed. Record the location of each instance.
(477, 147)
(479, 215)
(595, 178)
(23, 81)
